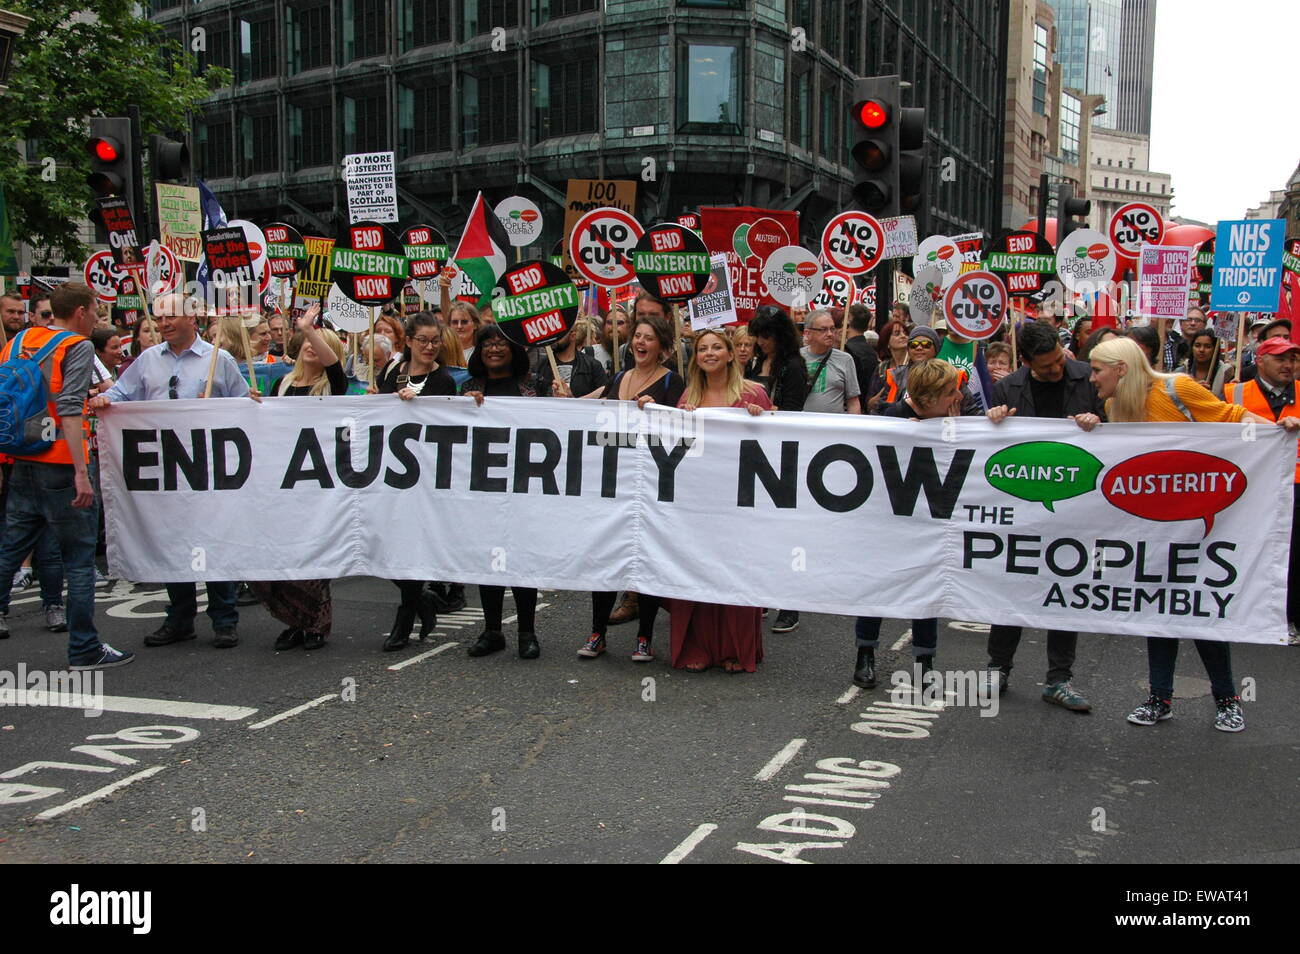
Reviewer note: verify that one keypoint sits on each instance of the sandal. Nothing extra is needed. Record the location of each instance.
(695, 667)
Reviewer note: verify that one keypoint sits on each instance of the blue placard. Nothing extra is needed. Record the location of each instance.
(1248, 265)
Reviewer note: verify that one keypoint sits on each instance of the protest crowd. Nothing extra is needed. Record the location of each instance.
(824, 360)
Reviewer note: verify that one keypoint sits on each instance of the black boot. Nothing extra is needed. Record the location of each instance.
(455, 597)
(864, 672)
(400, 635)
(529, 648)
(489, 641)
(438, 596)
(428, 613)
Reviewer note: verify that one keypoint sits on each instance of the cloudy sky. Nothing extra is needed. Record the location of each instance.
(1226, 96)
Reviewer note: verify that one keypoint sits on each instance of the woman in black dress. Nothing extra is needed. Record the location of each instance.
(416, 373)
(499, 368)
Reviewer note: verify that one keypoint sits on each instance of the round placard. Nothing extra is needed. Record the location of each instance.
(926, 294)
(853, 242)
(1135, 225)
(1085, 260)
(671, 262)
(838, 291)
(103, 275)
(344, 313)
(285, 251)
(163, 270)
(941, 252)
(793, 276)
(368, 263)
(521, 219)
(426, 249)
(764, 237)
(601, 244)
(534, 303)
(256, 251)
(975, 305)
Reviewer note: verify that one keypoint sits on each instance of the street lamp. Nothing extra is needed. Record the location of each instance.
(12, 26)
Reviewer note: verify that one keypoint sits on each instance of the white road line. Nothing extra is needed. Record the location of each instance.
(97, 794)
(511, 619)
(779, 760)
(415, 659)
(159, 707)
(848, 696)
(902, 641)
(294, 711)
(687, 846)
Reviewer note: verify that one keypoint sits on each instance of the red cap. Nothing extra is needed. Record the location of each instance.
(1277, 345)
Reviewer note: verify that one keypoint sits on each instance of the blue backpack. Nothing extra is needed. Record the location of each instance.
(25, 399)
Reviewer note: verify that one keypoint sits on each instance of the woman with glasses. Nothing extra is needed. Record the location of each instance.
(923, 343)
(647, 381)
(463, 320)
(777, 364)
(499, 368)
(416, 373)
(892, 349)
(305, 606)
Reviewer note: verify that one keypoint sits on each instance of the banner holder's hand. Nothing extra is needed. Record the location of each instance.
(1289, 424)
(1088, 421)
(99, 402)
(997, 415)
(476, 395)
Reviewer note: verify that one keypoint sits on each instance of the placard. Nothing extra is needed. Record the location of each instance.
(285, 251)
(368, 263)
(975, 305)
(1134, 225)
(601, 244)
(371, 179)
(180, 218)
(314, 281)
(116, 216)
(584, 195)
(1164, 274)
(900, 236)
(793, 276)
(229, 262)
(1085, 261)
(534, 303)
(853, 242)
(521, 218)
(671, 262)
(713, 307)
(942, 253)
(1024, 259)
(1248, 265)
(426, 250)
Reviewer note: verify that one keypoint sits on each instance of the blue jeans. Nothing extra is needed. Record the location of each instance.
(1162, 654)
(47, 565)
(40, 499)
(183, 604)
(925, 634)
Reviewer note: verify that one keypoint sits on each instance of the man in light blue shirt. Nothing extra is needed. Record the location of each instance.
(173, 370)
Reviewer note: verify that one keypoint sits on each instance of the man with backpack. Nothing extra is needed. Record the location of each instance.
(44, 382)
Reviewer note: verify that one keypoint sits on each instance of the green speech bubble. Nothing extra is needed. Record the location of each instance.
(1045, 471)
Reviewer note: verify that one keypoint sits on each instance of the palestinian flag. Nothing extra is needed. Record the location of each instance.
(481, 253)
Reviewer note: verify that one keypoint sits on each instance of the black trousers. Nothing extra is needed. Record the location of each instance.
(1293, 570)
(1003, 641)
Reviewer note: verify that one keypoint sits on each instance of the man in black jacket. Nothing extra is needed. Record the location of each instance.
(1048, 385)
(862, 351)
(581, 371)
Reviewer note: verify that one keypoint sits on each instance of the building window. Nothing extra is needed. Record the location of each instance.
(424, 119)
(217, 49)
(256, 50)
(260, 137)
(708, 88)
(719, 4)
(1105, 182)
(488, 113)
(565, 97)
(214, 150)
(830, 124)
(425, 22)
(1148, 186)
(801, 110)
(365, 123)
(484, 16)
(1040, 69)
(546, 10)
(309, 38)
(310, 130)
(1070, 109)
(365, 29)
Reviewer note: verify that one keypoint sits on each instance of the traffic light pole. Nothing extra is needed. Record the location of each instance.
(144, 224)
(884, 292)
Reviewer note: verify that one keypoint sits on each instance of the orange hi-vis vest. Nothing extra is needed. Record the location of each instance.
(1251, 396)
(892, 384)
(33, 341)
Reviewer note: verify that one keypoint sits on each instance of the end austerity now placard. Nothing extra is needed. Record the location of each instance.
(1145, 529)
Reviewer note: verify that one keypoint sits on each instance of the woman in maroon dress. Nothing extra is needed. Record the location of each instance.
(711, 634)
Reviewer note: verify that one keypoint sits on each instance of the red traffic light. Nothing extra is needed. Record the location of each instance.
(105, 149)
(873, 114)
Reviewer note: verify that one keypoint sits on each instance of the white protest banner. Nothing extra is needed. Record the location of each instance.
(1031, 522)
(714, 307)
(900, 236)
(371, 178)
(1164, 272)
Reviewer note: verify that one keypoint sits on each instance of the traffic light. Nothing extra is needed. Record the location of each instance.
(875, 120)
(911, 162)
(1067, 207)
(169, 161)
(111, 167)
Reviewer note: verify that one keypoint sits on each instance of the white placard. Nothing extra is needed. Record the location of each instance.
(371, 178)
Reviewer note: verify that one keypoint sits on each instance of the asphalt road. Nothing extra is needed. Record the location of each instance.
(450, 758)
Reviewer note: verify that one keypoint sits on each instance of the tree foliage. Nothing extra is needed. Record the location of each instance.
(77, 60)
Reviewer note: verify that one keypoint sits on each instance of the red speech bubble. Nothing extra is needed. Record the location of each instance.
(766, 236)
(1174, 485)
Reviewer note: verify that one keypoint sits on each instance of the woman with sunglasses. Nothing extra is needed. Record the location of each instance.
(499, 368)
(416, 373)
(923, 343)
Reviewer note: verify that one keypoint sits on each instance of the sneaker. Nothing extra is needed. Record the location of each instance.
(56, 620)
(643, 653)
(4, 625)
(1152, 711)
(1064, 695)
(1229, 717)
(593, 647)
(224, 637)
(109, 658)
(101, 580)
(786, 620)
(169, 633)
(996, 679)
(23, 578)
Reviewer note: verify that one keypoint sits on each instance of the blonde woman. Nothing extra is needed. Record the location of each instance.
(709, 634)
(744, 345)
(1133, 391)
(463, 319)
(319, 368)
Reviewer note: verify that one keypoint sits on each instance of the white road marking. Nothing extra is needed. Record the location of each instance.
(511, 619)
(687, 846)
(98, 793)
(159, 707)
(415, 659)
(848, 696)
(294, 711)
(902, 641)
(780, 760)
